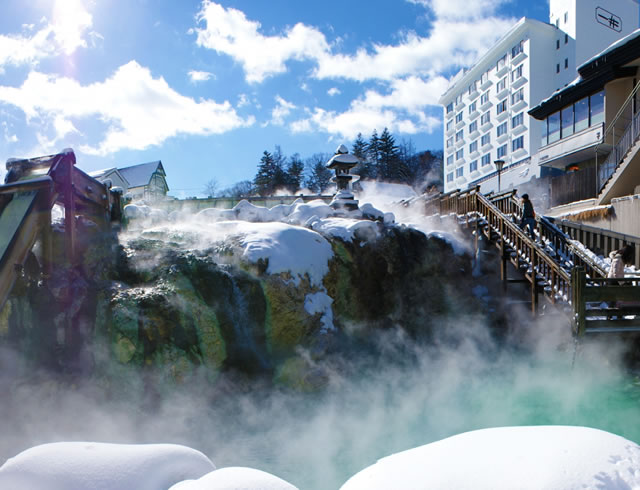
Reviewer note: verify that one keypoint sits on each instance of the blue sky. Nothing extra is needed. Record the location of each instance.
(207, 86)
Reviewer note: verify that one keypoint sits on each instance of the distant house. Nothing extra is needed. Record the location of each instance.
(143, 181)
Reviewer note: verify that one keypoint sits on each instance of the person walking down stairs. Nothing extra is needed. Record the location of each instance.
(528, 216)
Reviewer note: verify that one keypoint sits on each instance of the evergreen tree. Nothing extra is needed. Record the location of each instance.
(265, 178)
(295, 170)
(388, 157)
(318, 175)
(373, 154)
(359, 150)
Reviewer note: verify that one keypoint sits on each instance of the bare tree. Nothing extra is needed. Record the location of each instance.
(211, 188)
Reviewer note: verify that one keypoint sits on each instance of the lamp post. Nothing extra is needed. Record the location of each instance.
(499, 164)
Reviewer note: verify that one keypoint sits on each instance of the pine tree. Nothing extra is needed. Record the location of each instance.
(388, 157)
(373, 154)
(295, 170)
(264, 179)
(359, 150)
(318, 175)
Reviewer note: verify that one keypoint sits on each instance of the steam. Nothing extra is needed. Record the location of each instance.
(386, 394)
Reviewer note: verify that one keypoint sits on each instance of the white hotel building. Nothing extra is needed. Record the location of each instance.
(485, 106)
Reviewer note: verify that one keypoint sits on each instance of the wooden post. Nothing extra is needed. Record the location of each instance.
(534, 283)
(46, 234)
(579, 281)
(69, 213)
(503, 257)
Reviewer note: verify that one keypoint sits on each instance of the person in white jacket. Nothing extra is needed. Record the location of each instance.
(620, 258)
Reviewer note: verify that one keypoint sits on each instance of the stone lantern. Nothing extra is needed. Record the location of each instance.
(342, 162)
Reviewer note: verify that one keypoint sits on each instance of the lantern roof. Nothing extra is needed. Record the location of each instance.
(342, 158)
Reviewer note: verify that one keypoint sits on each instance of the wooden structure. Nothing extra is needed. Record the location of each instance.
(25, 211)
(556, 267)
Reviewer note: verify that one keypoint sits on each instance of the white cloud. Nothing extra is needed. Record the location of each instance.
(333, 91)
(243, 100)
(229, 31)
(280, 111)
(139, 111)
(200, 76)
(461, 9)
(63, 35)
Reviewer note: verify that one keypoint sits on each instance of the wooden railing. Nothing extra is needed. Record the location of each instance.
(555, 265)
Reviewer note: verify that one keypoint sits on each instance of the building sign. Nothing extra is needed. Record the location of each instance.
(608, 19)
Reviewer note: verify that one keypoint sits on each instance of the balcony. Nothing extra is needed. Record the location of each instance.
(459, 143)
(518, 58)
(474, 114)
(474, 154)
(461, 181)
(449, 114)
(519, 153)
(474, 93)
(519, 129)
(577, 147)
(450, 131)
(503, 93)
(486, 148)
(503, 115)
(486, 126)
(460, 124)
(518, 82)
(474, 134)
(503, 137)
(486, 105)
(521, 104)
(502, 70)
(459, 106)
(486, 84)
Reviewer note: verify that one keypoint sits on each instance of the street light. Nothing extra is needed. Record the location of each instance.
(499, 164)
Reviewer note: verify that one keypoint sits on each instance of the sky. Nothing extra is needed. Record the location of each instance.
(206, 87)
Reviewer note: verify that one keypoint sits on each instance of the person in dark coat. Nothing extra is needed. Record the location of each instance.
(528, 216)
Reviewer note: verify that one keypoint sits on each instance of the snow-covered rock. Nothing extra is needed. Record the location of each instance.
(236, 478)
(545, 457)
(101, 466)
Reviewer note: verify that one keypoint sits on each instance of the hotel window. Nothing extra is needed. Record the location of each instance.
(501, 107)
(566, 38)
(485, 118)
(484, 77)
(449, 125)
(517, 120)
(581, 114)
(459, 135)
(473, 166)
(449, 108)
(486, 159)
(460, 172)
(502, 129)
(449, 142)
(458, 117)
(484, 98)
(472, 87)
(450, 177)
(502, 151)
(553, 127)
(501, 62)
(557, 43)
(450, 160)
(566, 63)
(460, 154)
(517, 49)
(473, 146)
(485, 140)
(473, 126)
(566, 119)
(596, 102)
(558, 68)
(458, 99)
(516, 74)
(502, 84)
(566, 17)
(517, 143)
(517, 96)
(472, 107)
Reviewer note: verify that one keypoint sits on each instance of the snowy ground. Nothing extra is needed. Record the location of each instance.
(544, 457)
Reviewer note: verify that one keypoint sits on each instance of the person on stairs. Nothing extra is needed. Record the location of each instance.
(528, 216)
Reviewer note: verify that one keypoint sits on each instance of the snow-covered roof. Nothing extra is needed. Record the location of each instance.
(612, 47)
(140, 175)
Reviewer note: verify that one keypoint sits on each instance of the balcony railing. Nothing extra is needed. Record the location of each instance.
(619, 151)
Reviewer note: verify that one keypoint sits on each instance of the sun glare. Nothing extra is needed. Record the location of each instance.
(70, 19)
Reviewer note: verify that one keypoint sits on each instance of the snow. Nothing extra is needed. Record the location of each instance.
(320, 303)
(544, 457)
(235, 478)
(101, 466)
(611, 47)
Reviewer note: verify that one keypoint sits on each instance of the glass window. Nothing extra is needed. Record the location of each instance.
(458, 117)
(553, 122)
(502, 151)
(517, 49)
(484, 77)
(458, 99)
(517, 120)
(502, 84)
(516, 74)
(502, 106)
(517, 96)
(566, 63)
(596, 102)
(486, 139)
(449, 142)
(484, 98)
(501, 62)
(558, 68)
(472, 87)
(473, 126)
(581, 114)
(449, 108)
(460, 172)
(517, 143)
(460, 154)
(473, 146)
(473, 166)
(502, 129)
(566, 118)
(449, 125)
(544, 130)
(450, 177)
(485, 118)
(460, 135)
(486, 159)
(449, 159)
(557, 43)
(472, 107)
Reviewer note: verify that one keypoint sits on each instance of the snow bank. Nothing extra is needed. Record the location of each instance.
(99, 466)
(236, 479)
(546, 457)
(320, 303)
